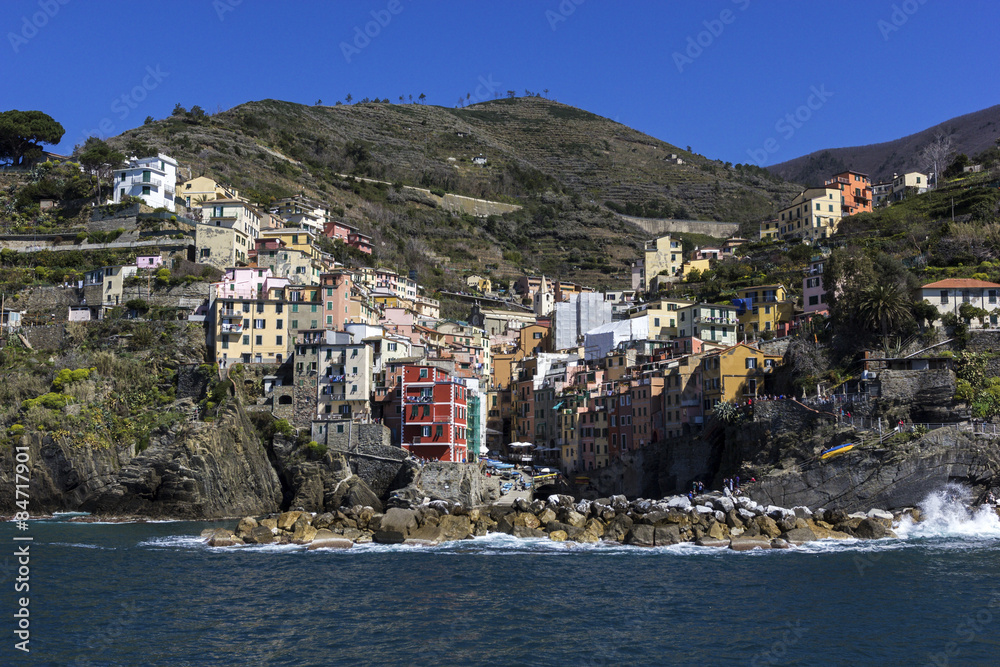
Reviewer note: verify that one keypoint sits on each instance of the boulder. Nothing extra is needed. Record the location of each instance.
(560, 500)
(778, 543)
(787, 523)
(221, 537)
(558, 536)
(823, 531)
(324, 520)
(526, 519)
(618, 503)
(654, 518)
(326, 539)
(679, 502)
(398, 520)
(767, 526)
(389, 536)
(270, 522)
(802, 512)
(641, 535)
(287, 519)
(880, 514)
(426, 534)
(524, 531)
(798, 536)
(666, 535)
(733, 520)
(304, 533)
(717, 530)
(833, 517)
(711, 542)
(618, 528)
(260, 535)
(749, 543)
(245, 526)
(724, 504)
(546, 515)
(454, 527)
(871, 529)
(505, 524)
(641, 505)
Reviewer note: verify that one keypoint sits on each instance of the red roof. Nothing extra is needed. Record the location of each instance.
(960, 283)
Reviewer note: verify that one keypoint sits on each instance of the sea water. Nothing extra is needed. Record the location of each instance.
(155, 594)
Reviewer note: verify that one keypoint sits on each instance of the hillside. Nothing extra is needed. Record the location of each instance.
(971, 134)
(570, 169)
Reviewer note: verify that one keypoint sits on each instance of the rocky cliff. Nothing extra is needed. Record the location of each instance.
(888, 477)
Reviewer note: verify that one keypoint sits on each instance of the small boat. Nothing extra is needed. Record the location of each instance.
(839, 449)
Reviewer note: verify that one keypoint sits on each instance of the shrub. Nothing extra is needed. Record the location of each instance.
(283, 427)
(67, 376)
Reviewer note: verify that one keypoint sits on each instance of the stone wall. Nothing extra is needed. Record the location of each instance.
(463, 483)
(928, 394)
(661, 227)
(191, 382)
(368, 450)
(46, 337)
(776, 345)
(983, 341)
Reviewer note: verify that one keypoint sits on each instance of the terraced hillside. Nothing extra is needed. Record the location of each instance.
(573, 171)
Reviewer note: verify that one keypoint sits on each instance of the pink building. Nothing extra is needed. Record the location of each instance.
(246, 283)
(149, 261)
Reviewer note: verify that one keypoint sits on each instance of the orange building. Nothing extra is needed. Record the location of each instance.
(856, 189)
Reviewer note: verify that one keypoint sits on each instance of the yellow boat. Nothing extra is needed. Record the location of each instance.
(833, 451)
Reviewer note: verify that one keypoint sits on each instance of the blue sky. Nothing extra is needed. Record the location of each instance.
(721, 76)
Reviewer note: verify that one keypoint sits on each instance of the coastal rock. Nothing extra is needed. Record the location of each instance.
(304, 533)
(717, 530)
(524, 531)
(618, 528)
(327, 539)
(270, 523)
(359, 493)
(871, 529)
(260, 535)
(389, 536)
(749, 543)
(823, 531)
(456, 527)
(767, 526)
(798, 536)
(641, 535)
(546, 515)
(558, 536)
(398, 520)
(679, 502)
(221, 537)
(527, 520)
(666, 535)
(324, 520)
(246, 524)
(802, 512)
(287, 520)
(880, 514)
(724, 504)
(778, 543)
(712, 542)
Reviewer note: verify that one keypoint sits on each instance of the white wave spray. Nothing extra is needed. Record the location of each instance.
(948, 513)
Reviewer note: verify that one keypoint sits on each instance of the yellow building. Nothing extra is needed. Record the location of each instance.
(700, 265)
(814, 214)
(661, 255)
(770, 230)
(252, 328)
(479, 284)
(662, 316)
(201, 189)
(735, 374)
(771, 310)
(221, 247)
(294, 238)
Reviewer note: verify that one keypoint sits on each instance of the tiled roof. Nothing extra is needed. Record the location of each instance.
(959, 283)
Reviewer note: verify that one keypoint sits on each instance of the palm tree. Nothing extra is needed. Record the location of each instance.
(884, 307)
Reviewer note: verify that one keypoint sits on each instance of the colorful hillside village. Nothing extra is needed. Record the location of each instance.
(541, 370)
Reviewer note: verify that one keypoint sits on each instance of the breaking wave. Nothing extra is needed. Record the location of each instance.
(948, 513)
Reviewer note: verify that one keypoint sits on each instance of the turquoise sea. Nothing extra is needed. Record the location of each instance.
(154, 594)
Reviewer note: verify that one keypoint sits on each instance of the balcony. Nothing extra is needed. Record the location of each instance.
(731, 321)
(232, 328)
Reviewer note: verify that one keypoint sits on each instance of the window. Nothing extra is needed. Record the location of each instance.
(259, 340)
(423, 373)
(246, 340)
(281, 324)
(295, 324)
(278, 340)
(145, 189)
(944, 296)
(991, 296)
(259, 324)
(413, 411)
(426, 431)
(427, 410)
(439, 431)
(537, 335)
(751, 362)
(814, 300)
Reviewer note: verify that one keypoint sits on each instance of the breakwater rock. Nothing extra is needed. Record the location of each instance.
(710, 520)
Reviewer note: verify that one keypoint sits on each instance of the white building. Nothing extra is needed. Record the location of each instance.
(949, 295)
(904, 184)
(153, 179)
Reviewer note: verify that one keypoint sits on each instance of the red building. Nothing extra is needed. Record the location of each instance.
(349, 234)
(856, 189)
(434, 414)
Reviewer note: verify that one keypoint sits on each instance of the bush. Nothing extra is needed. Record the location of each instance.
(67, 376)
(283, 427)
